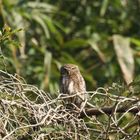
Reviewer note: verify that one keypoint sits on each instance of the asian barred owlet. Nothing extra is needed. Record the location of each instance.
(72, 82)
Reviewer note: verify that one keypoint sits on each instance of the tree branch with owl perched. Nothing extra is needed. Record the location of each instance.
(27, 112)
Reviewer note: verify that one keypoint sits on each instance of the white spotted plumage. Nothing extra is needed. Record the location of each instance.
(72, 82)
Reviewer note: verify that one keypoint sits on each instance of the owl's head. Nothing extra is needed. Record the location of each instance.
(68, 69)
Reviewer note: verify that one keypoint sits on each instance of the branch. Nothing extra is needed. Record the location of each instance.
(107, 110)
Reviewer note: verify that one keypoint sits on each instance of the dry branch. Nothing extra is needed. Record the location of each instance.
(108, 110)
(29, 113)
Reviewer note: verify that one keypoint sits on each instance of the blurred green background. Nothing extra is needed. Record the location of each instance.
(101, 36)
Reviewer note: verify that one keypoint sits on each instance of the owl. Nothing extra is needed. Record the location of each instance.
(72, 82)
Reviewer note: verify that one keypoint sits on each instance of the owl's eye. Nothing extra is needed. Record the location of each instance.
(74, 68)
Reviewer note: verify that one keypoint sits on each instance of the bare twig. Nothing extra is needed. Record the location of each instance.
(42, 117)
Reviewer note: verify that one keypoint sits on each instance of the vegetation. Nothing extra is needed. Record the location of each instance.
(101, 37)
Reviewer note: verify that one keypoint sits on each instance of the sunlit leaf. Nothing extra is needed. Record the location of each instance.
(47, 7)
(125, 56)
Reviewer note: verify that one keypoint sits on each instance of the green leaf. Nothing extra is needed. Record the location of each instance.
(135, 41)
(39, 20)
(104, 7)
(75, 43)
(53, 29)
